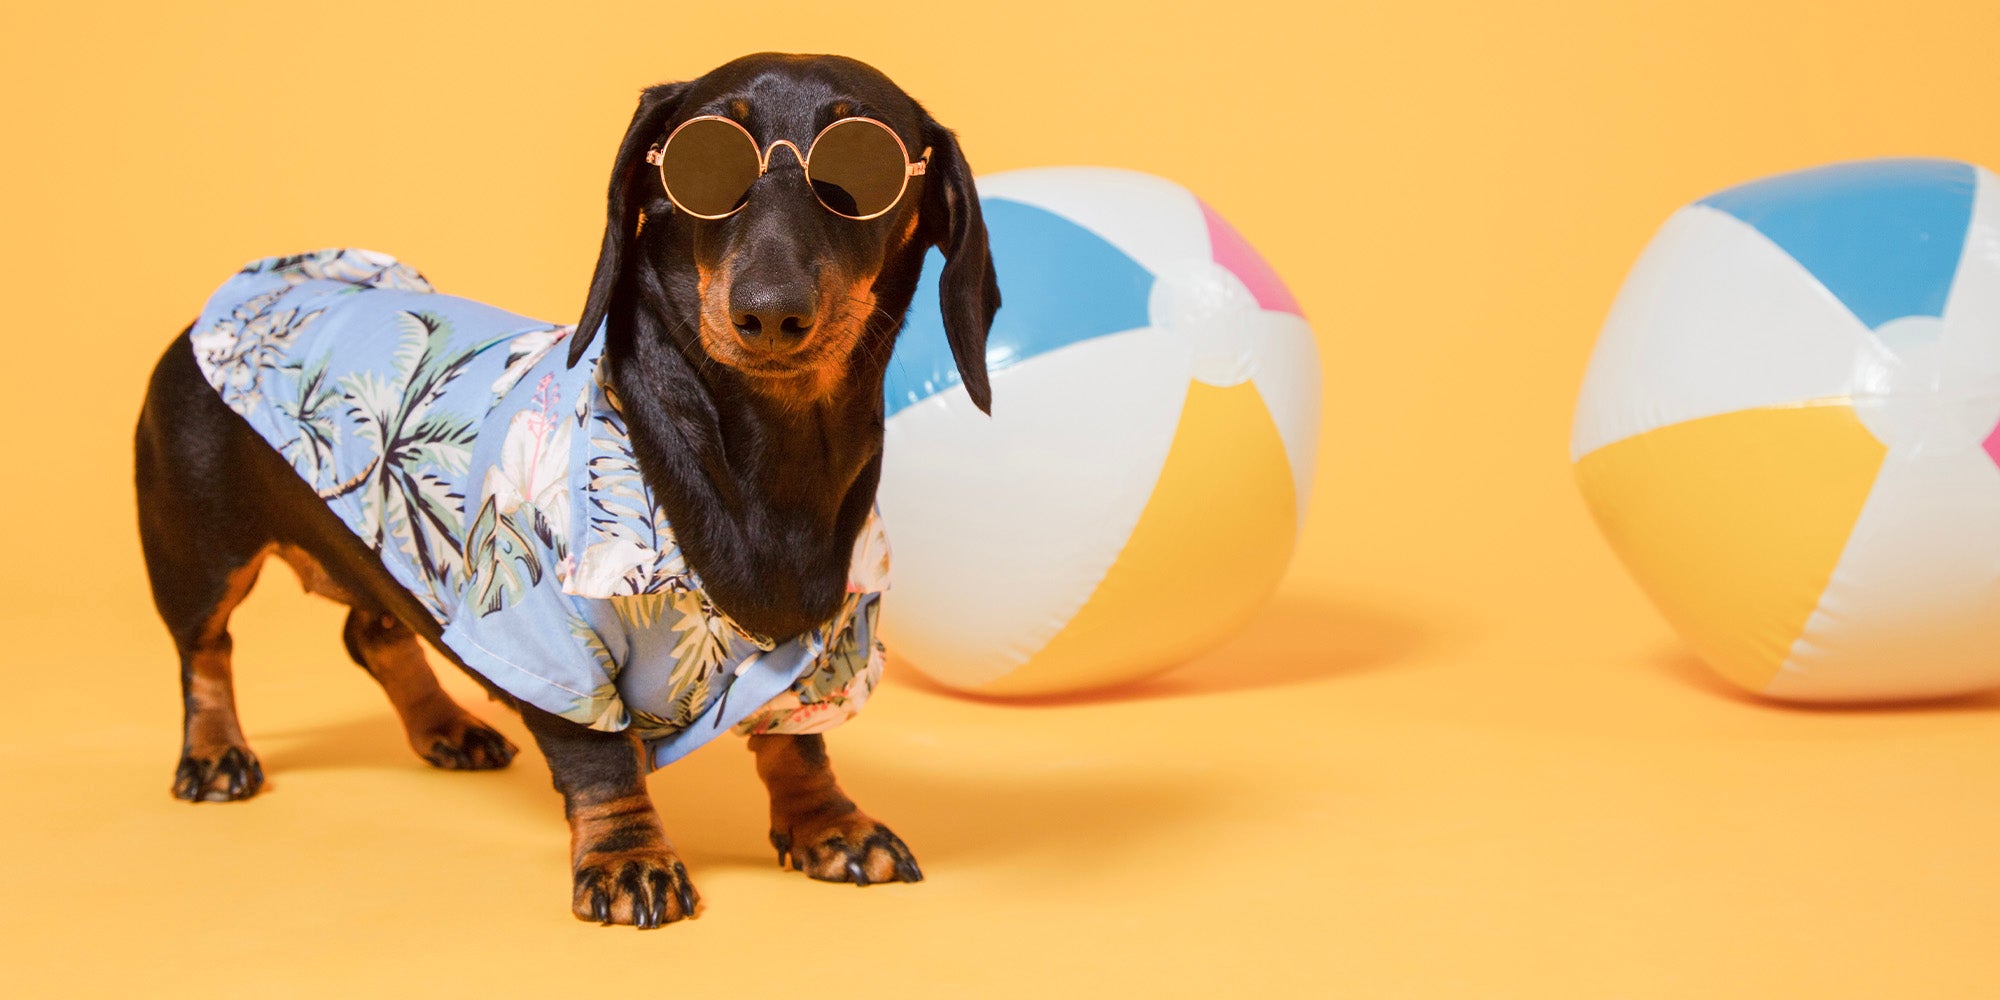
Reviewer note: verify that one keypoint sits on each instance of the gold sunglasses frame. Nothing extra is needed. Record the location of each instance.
(911, 168)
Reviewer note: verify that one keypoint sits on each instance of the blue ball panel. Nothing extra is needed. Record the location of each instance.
(1884, 236)
(1059, 284)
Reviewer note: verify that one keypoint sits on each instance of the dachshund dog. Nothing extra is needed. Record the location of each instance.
(745, 353)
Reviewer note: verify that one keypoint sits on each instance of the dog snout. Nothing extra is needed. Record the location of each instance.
(773, 316)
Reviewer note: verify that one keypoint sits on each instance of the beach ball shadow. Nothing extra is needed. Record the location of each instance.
(1292, 639)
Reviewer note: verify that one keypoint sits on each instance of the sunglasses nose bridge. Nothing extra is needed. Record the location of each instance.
(797, 154)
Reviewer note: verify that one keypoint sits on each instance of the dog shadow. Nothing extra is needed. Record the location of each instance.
(716, 810)
(717, 815)
(363, 742)
(1293, 639)
(1680, 665)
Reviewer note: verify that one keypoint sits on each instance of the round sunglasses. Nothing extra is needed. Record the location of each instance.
(856, 167)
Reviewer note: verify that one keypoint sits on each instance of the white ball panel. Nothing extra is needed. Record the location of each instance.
(1715, 318)
(1001, 528)
(1914, 607)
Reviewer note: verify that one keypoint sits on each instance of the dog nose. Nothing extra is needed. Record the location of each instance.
(771, 317)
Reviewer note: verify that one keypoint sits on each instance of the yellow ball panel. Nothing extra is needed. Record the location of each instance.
(1733, 524)
(1209, 547)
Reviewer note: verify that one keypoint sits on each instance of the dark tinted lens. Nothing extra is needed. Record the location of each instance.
(708, 167)
(857, 168)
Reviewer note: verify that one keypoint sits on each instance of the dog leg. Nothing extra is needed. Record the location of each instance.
(204, 545)
(441, 732)
(623, 869)
(216, 763)
(815, 826)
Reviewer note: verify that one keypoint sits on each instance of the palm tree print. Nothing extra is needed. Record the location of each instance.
(313, 409)
(405, 496)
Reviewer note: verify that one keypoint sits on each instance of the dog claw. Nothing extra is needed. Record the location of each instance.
(646, 888)
(474, 746)
(661, 885)
(863, 853)
(652, 905)
(684, 889)
(633, 881)
(230, 776)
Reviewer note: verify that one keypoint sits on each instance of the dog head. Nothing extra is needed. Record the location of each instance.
(794, 300)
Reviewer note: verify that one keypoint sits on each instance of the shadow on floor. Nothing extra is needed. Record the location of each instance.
(716, 812)
(1073, 819)
(372, 741)
(1292, 640)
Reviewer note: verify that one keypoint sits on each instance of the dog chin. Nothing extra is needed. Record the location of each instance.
(759, 368)
(794, 384)
(778, 374)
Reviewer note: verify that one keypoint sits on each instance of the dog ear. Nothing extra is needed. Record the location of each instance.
(968, 291)
(657, 104)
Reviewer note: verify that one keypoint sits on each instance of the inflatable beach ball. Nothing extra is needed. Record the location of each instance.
(1790, 430)
(1135, 495)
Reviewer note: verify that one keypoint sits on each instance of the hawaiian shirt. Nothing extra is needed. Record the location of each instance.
(498, 486)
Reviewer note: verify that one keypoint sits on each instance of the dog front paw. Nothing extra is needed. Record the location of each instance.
(645, 887)
(465, 744)
(852, 848)
(228, 776)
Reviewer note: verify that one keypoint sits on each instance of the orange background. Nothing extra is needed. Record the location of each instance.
(1456, 756)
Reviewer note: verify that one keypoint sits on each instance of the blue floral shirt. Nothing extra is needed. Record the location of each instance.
(498, 486)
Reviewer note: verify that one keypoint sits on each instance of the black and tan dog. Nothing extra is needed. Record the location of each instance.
(749, 353)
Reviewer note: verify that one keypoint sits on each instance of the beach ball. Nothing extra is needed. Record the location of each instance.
(1135, 494)
(1790, 430)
